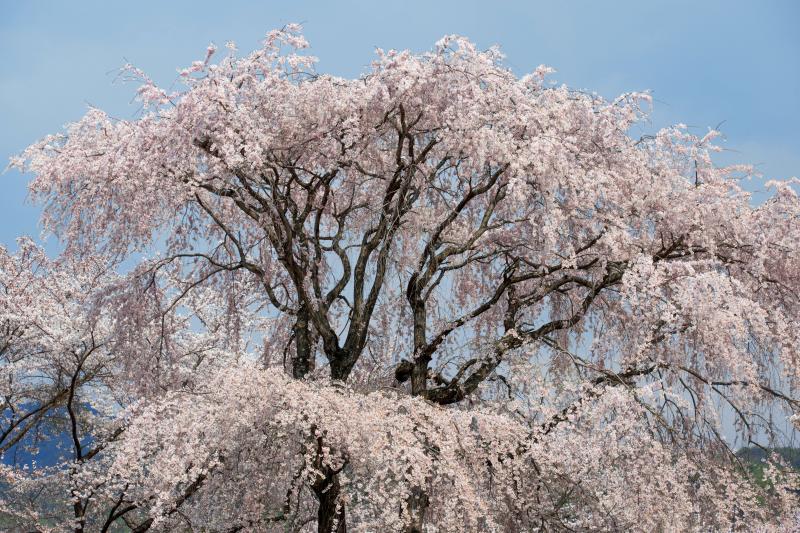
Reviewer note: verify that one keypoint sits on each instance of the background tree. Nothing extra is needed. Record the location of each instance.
(498, 310)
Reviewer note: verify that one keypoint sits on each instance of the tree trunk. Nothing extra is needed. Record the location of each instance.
(418, 501)
(303, 360)
(417, 506)
(331, 512)
(419, 376)
(340, 370)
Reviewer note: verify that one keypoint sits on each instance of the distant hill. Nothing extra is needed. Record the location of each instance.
(755, 459)
(753, 454)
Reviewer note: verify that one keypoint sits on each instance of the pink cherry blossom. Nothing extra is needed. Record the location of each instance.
(438, 297)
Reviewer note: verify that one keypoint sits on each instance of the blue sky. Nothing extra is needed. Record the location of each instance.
(705, 62)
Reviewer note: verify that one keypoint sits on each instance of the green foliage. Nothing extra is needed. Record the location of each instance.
(755, 461)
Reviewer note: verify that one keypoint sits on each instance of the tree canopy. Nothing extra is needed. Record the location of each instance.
(438, 297)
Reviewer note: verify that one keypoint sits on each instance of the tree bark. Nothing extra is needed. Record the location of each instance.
(303, 360)
(331, 512)
(417, 506)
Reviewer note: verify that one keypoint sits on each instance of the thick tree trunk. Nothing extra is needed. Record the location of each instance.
(418, 501)
(417, 506)
(328, 490)
(419, 373)
(331, 512)
(341, 367)
(303, 360)
(419, 376)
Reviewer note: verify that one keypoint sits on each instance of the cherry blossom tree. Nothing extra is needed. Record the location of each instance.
(438, 297)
